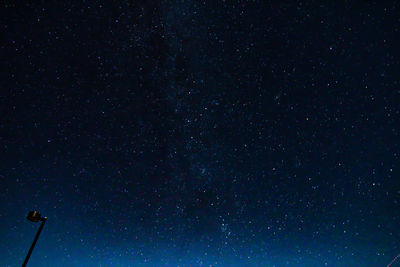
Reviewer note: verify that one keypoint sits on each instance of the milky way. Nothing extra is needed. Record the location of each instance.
(188, 133)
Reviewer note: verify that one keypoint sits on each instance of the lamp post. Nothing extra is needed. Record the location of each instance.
(34, 216)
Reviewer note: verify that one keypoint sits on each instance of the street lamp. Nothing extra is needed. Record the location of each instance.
(34, 216)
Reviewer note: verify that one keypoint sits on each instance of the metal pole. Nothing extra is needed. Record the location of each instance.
(34, 241)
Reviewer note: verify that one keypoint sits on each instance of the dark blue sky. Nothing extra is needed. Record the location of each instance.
(188, 133)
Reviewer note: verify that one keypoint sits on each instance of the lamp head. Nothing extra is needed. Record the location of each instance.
(34, 216)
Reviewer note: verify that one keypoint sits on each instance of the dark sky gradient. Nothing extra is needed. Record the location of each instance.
(188, 133)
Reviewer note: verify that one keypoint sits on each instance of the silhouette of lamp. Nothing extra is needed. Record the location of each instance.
(34, 216)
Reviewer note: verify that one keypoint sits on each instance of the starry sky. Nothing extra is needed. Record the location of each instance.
(200, 133)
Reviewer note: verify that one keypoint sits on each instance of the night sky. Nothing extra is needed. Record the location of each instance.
(189, 133)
